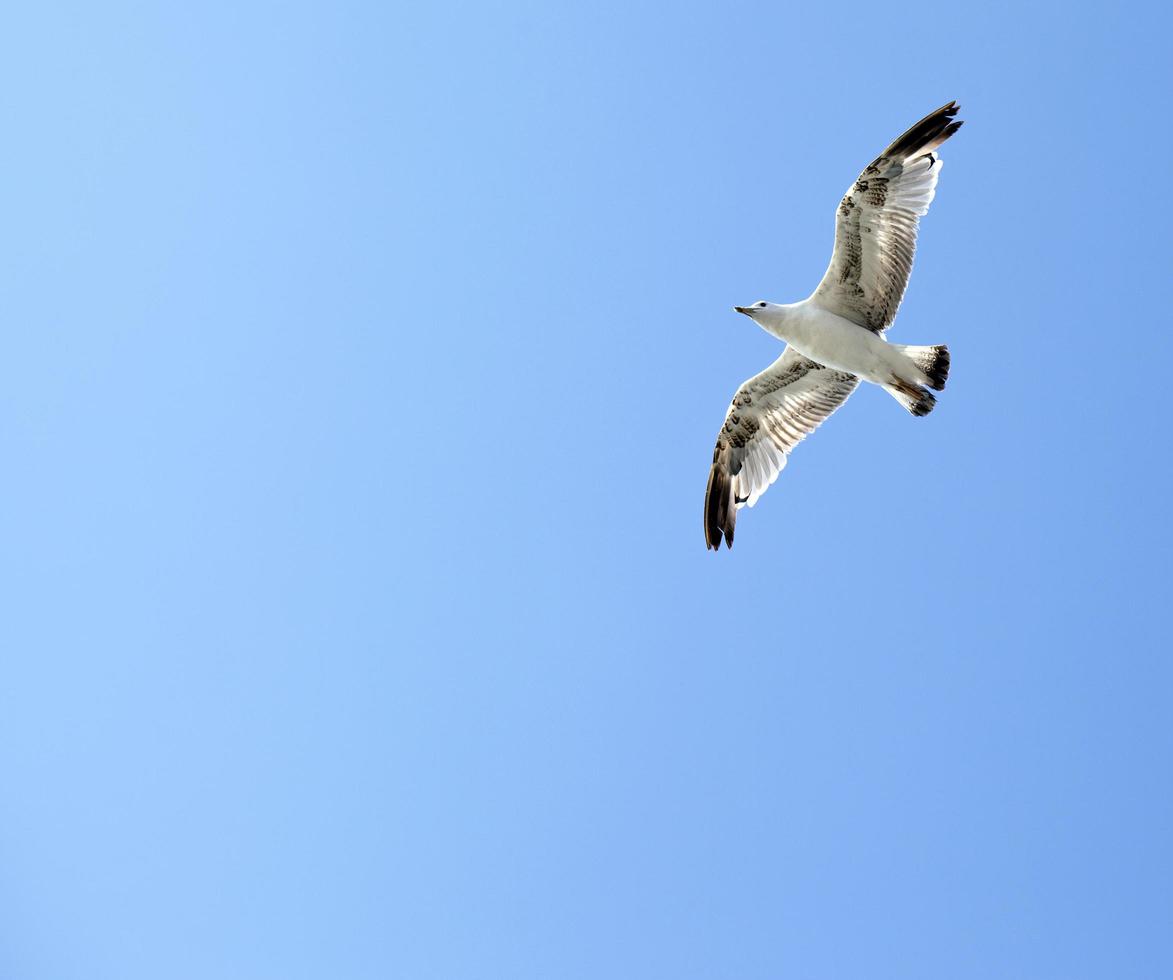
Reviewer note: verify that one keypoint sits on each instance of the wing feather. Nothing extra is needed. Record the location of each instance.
(770, 415)
(876, 225)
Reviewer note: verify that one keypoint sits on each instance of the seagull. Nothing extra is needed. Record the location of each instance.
(835, 336)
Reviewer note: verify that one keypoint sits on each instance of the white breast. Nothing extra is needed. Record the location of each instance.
(834, 340)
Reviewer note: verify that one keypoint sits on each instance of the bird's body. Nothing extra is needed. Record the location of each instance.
(839, 343)
(835, 337)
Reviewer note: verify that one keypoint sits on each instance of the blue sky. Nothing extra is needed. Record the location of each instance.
(361, 371)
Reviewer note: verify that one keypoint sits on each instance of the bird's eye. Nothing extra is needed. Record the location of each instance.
(761, 304)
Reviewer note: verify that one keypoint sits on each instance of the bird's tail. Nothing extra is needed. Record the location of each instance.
(916, 399)
(933, 362)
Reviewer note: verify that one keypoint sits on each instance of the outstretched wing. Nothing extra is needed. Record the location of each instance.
(875, 226)
(770, 415)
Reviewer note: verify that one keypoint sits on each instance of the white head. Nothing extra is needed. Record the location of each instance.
(764, 314)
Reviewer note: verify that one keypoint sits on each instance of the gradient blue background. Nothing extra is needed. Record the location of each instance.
(360, 376)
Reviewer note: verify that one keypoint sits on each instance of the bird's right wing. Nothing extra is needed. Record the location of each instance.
(770, 415)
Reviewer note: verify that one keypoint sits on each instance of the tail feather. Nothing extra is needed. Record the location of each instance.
(932, 361)
(917, 400)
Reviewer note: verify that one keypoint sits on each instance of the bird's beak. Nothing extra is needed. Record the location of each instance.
(741, 309)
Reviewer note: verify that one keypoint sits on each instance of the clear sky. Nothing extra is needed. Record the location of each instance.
(360, 375)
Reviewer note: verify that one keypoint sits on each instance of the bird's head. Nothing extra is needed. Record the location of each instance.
(757, 311)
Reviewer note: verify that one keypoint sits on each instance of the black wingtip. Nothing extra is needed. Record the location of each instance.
(712, 538)
(927, 134)
(720, 510)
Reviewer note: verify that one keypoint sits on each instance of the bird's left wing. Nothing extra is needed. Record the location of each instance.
(876, 222)
(770, 415)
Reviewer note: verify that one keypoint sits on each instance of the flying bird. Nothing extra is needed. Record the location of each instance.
(835, 337)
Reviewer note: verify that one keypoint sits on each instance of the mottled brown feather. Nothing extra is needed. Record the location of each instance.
(770, 414)
(876, 225)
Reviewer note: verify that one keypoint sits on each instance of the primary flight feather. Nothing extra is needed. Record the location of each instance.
(835, 336)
